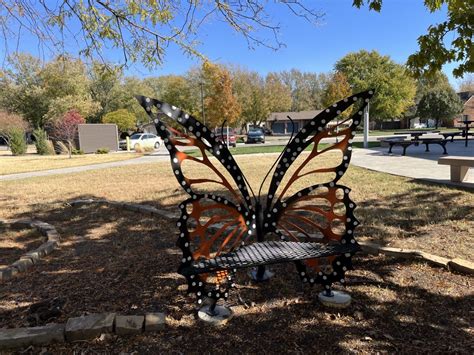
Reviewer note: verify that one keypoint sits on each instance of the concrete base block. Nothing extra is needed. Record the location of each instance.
(154, 322)
(21, 337)
(125, 325)
(220, 316)
(89, 327)
(337, 299)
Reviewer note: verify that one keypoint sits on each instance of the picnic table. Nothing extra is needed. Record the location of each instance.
(416, 134)
(416, 141)
(465, 130)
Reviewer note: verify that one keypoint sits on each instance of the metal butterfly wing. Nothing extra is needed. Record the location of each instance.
(301, 208)
(210, 224)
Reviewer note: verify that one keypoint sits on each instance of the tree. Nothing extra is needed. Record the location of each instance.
(66, 128)
(424, 85)
(124, 120)
(123, 97)
(394, 87)
(306, 89)
(277, 93)
(467, 84)
(249, 89)
(433, 51)
(142, 30)
(12, 130)
(104, 80)
(22, 90)
(440, 105)
(338, 88)
(44, 92)
(220, 103)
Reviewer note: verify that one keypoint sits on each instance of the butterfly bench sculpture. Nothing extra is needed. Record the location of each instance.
(306, 217)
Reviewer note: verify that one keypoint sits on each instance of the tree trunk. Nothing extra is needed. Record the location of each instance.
(70, 149)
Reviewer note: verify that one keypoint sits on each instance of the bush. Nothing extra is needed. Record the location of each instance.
(43, 145)
(138, 148)
(17, 141)
(77, 152)
(102, 151)
(148, 149)
(61, 147)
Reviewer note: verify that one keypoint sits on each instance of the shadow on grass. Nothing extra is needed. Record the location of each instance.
(120, 261)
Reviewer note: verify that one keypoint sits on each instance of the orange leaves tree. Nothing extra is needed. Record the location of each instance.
(220, 103)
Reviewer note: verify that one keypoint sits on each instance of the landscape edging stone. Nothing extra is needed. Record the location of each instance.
(32, 257)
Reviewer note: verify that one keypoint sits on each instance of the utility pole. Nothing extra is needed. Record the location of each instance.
(202, 104)
(366, 126)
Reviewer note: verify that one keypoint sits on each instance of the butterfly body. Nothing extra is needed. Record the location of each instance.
(228, 227)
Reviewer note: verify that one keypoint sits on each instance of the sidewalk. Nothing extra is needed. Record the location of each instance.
(160, 156)
(417, 163)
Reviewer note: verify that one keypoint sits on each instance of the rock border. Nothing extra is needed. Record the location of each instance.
(32, 257)
(82, 328)
(456, 264)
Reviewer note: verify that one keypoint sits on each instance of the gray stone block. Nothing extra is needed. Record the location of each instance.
(154, 322)
(6, 273)
(47, 248)
(53, 235)
(20, 337)
(90, 326)
(22, 264)
(35, 256)
(129, 324)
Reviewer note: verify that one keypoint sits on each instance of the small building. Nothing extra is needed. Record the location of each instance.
(279, 123)
(93, 136)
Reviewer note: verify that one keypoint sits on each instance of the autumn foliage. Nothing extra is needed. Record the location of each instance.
(66, 128)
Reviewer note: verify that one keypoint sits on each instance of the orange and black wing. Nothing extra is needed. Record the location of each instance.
(215, 218)
(305, 201)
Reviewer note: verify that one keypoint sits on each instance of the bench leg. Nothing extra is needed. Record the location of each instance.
(390, 149)
(444, 148)
(427, 147)
(404, 150)
(261, 273)
(458, 173)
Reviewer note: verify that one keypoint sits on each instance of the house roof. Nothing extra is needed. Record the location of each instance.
(465, 95)
(469, 107)
(296, 116)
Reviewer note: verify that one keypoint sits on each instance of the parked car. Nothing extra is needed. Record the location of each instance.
(255, 135)
(222, 136)
(141, 140)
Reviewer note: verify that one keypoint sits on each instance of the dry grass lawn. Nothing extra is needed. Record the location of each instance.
(394, 211)
(120, 261)
(33, 162)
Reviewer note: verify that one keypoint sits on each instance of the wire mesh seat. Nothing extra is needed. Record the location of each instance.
(265, 253)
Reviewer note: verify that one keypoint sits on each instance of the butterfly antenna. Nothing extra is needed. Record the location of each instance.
(222, 130)
(278, 159)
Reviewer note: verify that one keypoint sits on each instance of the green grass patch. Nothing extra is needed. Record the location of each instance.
(262, 149)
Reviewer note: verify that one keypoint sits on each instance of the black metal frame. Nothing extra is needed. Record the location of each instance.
(258, 221)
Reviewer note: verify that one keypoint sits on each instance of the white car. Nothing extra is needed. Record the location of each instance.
(141, 140)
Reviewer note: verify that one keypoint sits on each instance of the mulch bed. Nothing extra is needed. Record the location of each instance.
(119, 261)
(15, 242)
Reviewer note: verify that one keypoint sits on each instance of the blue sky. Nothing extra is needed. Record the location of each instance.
(393, 31)
(343, 29)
